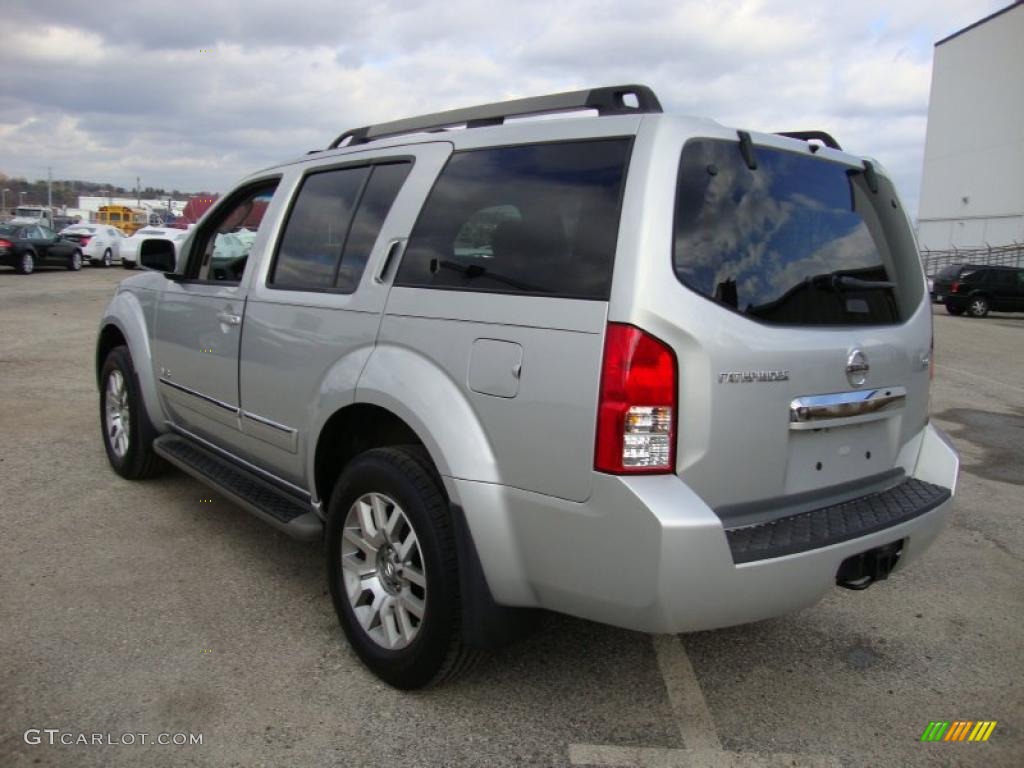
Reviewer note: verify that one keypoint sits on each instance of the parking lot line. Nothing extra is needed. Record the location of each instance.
(653, 757)
(684, 694)
(696, 727)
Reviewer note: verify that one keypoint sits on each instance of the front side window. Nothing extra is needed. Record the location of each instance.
(224, 244)
(797, 240)
(334, 225)
(538, 219)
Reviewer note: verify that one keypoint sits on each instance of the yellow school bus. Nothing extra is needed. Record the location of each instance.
(128, 220)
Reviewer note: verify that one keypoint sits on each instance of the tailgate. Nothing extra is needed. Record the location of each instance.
(799, 322)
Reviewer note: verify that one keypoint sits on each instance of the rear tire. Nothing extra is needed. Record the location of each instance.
(391, 554)
(127, 432)
(108, 258)
(978, 306)
(127, 264)
(957, 311)
(75, 261)
(27, 263)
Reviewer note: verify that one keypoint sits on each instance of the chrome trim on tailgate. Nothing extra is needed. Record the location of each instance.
(818, 411)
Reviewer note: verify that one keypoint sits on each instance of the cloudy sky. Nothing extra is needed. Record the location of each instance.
(194, 95)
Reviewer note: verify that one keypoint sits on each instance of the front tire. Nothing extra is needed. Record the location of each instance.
(392, 569)
(108, 258)
(27, 263)
(75, 262)
(978, 306)
(127, 264)
(127, 432)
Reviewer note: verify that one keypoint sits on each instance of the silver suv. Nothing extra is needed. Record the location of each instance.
(645, 370)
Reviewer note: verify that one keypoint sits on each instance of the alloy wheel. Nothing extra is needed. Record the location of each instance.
(27, 263)
(384, 576)
(76, 261)
(979, 307)
(108, 258)
(117, 413)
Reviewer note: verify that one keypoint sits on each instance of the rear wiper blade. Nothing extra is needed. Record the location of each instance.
(850, 283)
(856, 284)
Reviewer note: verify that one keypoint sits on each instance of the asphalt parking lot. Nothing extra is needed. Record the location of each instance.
(143, 608)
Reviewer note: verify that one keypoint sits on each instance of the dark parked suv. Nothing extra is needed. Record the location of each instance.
(978, 290)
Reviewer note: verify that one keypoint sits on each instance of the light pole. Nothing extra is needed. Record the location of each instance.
(3, 196)
(21, 198)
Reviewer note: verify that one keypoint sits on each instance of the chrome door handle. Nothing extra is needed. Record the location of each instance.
(229, 319)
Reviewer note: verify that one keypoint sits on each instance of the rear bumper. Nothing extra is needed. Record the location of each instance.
(646, 553)
(956, 300)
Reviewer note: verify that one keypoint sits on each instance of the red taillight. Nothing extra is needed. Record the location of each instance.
(84, 240)
(954, 287)
(6, 244)
(636, 410)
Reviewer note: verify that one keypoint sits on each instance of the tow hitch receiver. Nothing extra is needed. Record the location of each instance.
(863, 570)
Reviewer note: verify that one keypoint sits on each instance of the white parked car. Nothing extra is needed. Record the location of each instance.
(130, 245)
(99, 243)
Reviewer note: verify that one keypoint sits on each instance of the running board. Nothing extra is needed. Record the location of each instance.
(271, 504)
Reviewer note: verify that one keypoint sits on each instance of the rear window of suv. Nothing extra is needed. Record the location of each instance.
(538, 219)
(798, 240)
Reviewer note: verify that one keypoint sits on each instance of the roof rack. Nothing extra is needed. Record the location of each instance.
(824, 138)
(610, 100)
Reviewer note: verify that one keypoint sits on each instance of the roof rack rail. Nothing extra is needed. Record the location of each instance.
(824, 138)
(609, 100)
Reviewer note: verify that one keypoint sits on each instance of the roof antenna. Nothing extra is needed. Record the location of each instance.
(747, 150)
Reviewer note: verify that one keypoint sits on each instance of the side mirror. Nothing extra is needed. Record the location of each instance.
(158, 254)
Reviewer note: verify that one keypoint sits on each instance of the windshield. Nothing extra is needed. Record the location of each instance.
(33, 213)
(795, 241)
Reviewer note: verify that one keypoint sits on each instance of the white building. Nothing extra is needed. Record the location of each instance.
(972, 188)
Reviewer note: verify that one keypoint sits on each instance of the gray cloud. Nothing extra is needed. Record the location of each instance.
(127, 92)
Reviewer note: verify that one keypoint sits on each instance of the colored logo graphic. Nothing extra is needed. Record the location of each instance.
(958, 730)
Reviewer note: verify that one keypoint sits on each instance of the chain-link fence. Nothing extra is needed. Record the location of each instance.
(997, 256)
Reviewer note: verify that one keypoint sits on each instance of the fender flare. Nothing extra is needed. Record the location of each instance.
(427, 399)
(126, 314)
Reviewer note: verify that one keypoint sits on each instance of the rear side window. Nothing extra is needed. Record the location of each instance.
(315, 234)
(950, 273)
(796, 241)
(333, 226)
(1003, 277)
(538, 219)
(380, 193)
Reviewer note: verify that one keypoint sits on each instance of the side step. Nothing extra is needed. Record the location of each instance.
(273, 505)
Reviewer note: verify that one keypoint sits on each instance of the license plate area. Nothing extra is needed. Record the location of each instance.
(819, 458)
